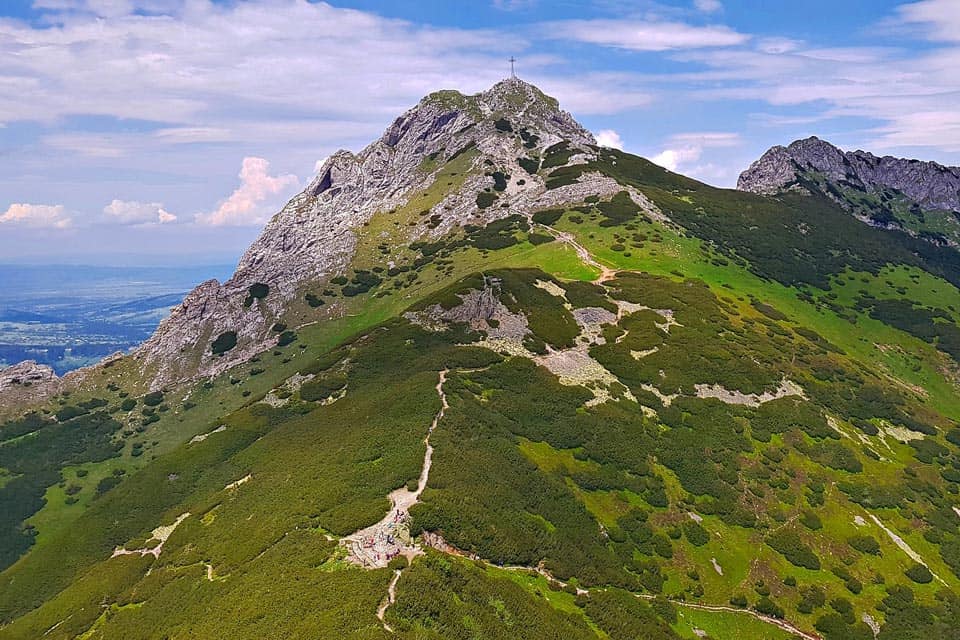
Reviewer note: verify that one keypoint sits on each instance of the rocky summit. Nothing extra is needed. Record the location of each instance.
(488, 379)
(895, 192)
(314, 237)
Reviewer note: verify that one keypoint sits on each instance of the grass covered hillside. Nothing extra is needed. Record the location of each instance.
(661, 411)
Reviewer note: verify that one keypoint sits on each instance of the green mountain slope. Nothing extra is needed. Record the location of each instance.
(661, 410)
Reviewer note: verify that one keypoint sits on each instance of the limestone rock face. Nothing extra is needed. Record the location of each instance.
(930, 185)
(26, 374)
(314, 237)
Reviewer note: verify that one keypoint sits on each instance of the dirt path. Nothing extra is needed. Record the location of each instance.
(606, 273)
(374, 546)
(440, 544)
(389, 600)
(379, 543)
(783, 624)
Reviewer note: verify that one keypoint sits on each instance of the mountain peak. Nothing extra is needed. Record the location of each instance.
(516, 100)
(812, 145)
(514, 94)
(509, 94)
(495, 140)
(929, 184)
(912, 196)
(777, 169)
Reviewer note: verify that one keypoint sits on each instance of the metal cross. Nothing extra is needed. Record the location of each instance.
(512, 73)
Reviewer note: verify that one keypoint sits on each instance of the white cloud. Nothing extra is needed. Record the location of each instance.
(940, 17)
(910, 95)
(251, 202)
(89, 145)
(133, 212)
(193, 135)
(672, 158)
(708, 6)
(189, 96)
(596, 93)
(684, 149)
(36, 215)
(640, 35)
(778, 45)
(708, 138)
(319, 164)
(103, 8)
(609, 138)
(188, 67)
(934, 128)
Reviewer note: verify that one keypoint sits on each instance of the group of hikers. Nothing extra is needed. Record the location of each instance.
(383, 545)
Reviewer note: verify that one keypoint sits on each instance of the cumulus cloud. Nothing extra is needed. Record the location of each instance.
(644, 35)
(36, 215)
(251, 202)
(133, 212)
(609, 138)
(686, 148)
(671, 158)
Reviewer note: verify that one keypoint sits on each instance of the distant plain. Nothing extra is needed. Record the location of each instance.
(70, 316)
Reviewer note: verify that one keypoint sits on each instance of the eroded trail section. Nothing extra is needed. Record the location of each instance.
(160, 535)
(379, 543)
(389, 600)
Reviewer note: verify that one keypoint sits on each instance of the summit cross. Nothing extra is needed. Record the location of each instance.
(512, 72)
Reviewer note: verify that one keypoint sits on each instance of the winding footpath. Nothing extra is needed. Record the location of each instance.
(378, 544)
(389, 600)
(440, 544)
(777, 622)
(606, 273)
(375, 546)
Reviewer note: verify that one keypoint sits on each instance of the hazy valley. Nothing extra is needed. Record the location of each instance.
(70, 316)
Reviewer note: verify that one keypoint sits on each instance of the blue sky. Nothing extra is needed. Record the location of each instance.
(168, 131)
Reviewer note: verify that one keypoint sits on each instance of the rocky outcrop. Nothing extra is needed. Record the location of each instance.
(26, 374)
(930, 185)
(313, 238)
(26, 382)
